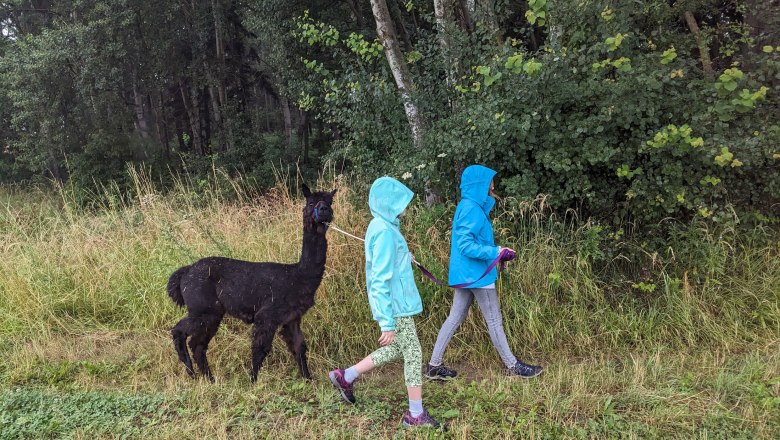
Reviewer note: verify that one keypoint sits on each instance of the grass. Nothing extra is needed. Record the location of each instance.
(680, 345)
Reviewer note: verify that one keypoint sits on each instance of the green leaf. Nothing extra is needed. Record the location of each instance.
(614, 42)
(532, 66)
(489, 80)
(514, 63)
(668, 55)
(450, 414)
(709, 179)
(414, 56)
(724, 158)
(767, 49)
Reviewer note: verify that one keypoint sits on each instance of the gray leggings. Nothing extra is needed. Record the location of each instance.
(491, 311)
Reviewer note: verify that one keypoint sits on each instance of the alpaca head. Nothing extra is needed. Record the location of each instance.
(317, 210)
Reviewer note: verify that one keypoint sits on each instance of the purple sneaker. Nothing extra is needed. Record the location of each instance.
(423, 419)
(345, 388)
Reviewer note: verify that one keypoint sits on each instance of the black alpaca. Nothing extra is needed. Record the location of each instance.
(267, 295)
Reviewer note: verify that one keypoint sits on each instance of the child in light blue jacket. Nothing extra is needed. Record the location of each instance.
(393, 297)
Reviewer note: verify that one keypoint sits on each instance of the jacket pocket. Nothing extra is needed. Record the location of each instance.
(403, 297)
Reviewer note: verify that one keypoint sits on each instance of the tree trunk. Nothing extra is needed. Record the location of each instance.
(357, 12)
(303, 133)
(287, 121)
(761, 18)
(398, 17)
(266, 111)
(219, 102)
(466, 15)
(444, 11)
(219, 44)
(555, 29)
(704, 50)
(180, 134)
(485, 12)
(386, 32)
(158, 109)
(193, 113)
(141, 119)
(216, 112)
(206, 131)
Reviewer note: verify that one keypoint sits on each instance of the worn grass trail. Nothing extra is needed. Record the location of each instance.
(112, 384)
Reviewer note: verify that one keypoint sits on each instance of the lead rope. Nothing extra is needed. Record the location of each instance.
(332, 226)
(503, 256)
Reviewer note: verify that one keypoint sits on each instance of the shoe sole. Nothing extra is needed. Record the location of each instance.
(407, 425)
(335, 384)
(440, 378)
(525, 377)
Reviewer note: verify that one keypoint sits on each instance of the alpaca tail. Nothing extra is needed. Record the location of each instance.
(174, 290)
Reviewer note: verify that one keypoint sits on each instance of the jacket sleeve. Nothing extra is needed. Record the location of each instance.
(466, 229)
(379, 291)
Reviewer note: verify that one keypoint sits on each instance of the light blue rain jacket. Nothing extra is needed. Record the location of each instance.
(392, 292)
(473, 245)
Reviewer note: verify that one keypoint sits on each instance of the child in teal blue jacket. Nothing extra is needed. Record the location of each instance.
(393, 297)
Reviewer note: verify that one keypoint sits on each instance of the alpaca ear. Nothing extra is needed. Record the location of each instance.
(333, 193)
(306, 190)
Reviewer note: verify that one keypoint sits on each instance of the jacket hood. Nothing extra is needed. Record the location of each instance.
(475, 185)
(388, 198)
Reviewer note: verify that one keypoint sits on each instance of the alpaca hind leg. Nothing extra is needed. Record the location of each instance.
(199, 342)
(262, 338)
(292, 335)
(179, 333)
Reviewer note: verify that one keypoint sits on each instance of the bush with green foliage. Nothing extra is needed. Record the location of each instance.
(615, 117)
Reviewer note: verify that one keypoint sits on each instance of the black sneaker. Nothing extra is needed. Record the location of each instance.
(524, 370)
(439, 372)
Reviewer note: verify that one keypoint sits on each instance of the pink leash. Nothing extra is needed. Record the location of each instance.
(504, 256)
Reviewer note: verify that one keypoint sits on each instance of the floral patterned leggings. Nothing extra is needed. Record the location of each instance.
(406, 345)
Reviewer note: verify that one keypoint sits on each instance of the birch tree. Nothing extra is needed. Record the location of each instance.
(385, 29)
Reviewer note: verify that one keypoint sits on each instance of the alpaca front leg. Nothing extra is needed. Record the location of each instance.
(293, 336)
(262, 338)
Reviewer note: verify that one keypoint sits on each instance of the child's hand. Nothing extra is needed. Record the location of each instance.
(387, 338)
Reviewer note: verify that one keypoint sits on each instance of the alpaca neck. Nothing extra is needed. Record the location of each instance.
(313, 252)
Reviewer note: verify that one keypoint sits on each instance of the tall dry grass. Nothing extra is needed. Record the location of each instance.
(73, 269)
(83, 304)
